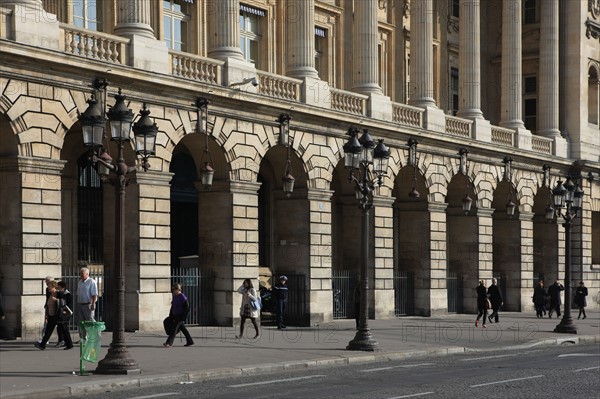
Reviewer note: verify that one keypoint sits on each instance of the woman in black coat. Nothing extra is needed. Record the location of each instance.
(580, 294)
(496, 300)
(481, 303)
(539, 299)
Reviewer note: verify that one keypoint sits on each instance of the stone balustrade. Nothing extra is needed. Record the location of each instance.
(194, 67)
(96, 45)
(503, 136)
(407, 115)
(348, 101)
(458, 126)
(278, 86)
(541, 144)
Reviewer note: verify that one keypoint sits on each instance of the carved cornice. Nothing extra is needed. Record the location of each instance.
(592, 29)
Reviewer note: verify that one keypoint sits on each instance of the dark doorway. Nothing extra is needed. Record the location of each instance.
(184, 208)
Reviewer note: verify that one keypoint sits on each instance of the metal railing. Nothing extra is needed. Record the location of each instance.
(454, 286)
(343, 283)
(404, 293)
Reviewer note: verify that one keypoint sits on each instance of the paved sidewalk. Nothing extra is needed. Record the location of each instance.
(30, 373)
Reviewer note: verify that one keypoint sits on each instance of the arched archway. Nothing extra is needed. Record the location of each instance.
(507, 247)
(284, 231)
(463, 246)
(545, 239)
(412, 266)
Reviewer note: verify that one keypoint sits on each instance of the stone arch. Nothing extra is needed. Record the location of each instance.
(593, 93)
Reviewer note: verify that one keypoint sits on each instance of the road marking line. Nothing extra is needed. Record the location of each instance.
(588, 368)
(501, 382)
(157, 395)
(577, 354)
(395, 367)
(412, 396)
(275, 381)
(488, 357)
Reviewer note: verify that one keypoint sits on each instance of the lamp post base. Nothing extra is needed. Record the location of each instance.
(117, 361)
(566, 326)
(363, 341)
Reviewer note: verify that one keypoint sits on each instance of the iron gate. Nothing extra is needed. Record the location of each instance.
(454, 287)
(198, 287)
(344, 283)
(296, 312)
(404, 293)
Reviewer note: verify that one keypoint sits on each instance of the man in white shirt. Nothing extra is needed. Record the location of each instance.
(87, 295)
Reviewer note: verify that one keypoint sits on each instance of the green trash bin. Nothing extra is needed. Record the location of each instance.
(90, 347)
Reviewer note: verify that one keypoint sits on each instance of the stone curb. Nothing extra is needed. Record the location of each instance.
(83, 388)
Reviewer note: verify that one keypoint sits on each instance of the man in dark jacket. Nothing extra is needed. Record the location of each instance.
(496, 299)
(555, 301)
(281, 294)
(65, 317)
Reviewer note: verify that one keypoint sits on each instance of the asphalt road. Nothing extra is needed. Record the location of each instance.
(544, 372)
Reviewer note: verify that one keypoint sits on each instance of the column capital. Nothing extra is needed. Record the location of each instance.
(314, 194)
(32, 165)
(153, 177)
(244, 187)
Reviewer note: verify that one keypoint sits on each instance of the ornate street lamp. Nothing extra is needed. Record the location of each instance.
(285, 139)
(367, 164)
(464, 169)
(93, 121)
(568, 200)
(412, 160)
(207, 172)
(510, 205)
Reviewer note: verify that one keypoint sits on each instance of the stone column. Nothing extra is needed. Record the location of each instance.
(512, 61)
(438, 294)
(365, 48)
(383, 274)
(300, 16)
(301, 39)
(144, 52)
(548, 114)
(321, 299)
(512, 73)
(224, 42)
(421, 53)
(133, 18)
(224, 29)
(526, 269)
(469, 72)
(58, 8)
(30, 24)
(30, 238)
(154, 262)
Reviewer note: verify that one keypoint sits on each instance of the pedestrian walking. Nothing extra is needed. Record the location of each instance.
(580, 293)
(496, 299)
(281, 293)
(87, 295)
(482, 303)
(64, 313)
(3, 332)
(539, 299)
(180, 307)
(555, 301)
(246, 311)
(50, 315)
(60, 342)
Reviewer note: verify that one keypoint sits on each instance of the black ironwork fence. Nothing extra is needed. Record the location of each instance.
(454, 286)
(343, 282)
(71, 277)
(404, 293)
(296, 312)
(198, 287)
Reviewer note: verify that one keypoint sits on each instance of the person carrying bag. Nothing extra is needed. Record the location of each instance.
(180, 308)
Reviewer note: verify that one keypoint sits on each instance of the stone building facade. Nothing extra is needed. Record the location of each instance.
(514, 79)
